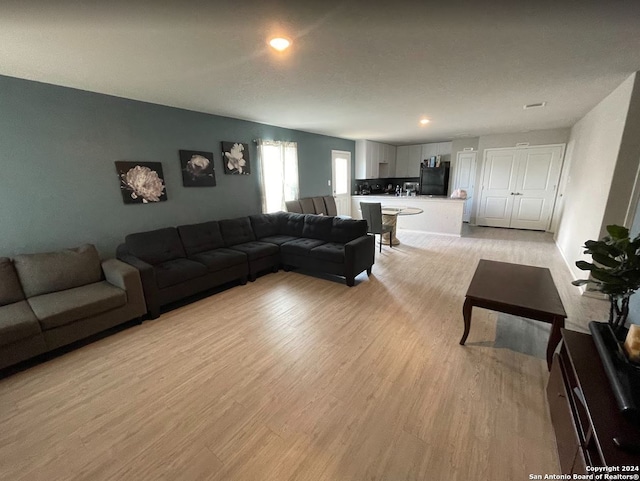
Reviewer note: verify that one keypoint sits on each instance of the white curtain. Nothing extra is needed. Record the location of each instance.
(278, 173)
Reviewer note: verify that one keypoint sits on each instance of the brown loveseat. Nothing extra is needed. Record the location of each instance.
(53, 299)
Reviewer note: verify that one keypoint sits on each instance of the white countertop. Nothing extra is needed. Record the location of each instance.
(408, 198)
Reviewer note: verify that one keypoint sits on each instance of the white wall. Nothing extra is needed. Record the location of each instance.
(595, 143)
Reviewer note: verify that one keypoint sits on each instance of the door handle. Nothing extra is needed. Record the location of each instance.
(512, 193)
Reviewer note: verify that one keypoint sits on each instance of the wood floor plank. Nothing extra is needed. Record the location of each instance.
(298, 377)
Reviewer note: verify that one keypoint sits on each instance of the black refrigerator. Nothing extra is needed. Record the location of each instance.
(434, 180)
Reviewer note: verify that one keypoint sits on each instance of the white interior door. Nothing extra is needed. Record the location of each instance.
(465, 176)
(536, 187)
(519, 187)
(500, 175)
(341, 180)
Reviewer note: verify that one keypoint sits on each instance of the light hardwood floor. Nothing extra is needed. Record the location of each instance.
(294, 377)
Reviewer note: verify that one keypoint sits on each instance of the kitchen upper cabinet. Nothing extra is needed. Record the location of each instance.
(415, 157)
(409, 157)
(402, 161)
(374, 160)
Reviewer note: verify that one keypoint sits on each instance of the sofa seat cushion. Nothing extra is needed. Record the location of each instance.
(64, 307)
(219, 259)
(300, 246)
(331, 251)
(10, 288)
(58, 271)
(17, 322)
(176, 271)
(257, 249)
(278, 239)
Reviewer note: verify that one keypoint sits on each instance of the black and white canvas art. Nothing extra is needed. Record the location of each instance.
(141, 182)
(235, 157)
(197, 169)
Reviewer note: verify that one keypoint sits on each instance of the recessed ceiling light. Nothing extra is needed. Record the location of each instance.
(424, 121)
(280, 43)
(537, 105)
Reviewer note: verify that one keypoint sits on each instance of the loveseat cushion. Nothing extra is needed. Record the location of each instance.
(203, 237)
(176, 271)
(265, 225)
(346, 230)
(236, 231)
(300, 246)
(17, 321)
(58, 271)
(318, 227)
(318, 205)
(278, 239)
(10, 288)
(292, 224)
(257, 249)
(64, 307)
(219, 259)
(156, 246)
(331, 251)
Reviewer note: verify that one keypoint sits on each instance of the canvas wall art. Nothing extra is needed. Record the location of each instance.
(235, 157)
(197, 169)
(141, 182)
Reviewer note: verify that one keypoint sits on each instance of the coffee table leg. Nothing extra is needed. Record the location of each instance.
(554, 338)
(466, 314)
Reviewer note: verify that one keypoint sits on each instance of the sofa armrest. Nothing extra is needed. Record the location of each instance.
(147, 277)
(359, 255)
(120, 274)
(127, 278)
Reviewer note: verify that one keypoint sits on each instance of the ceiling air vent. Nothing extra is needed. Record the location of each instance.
(539, 105)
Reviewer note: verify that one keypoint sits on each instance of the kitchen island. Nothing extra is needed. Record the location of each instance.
(440, 215)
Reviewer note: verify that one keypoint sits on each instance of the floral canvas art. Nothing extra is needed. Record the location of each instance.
(235, 157)
(141, 182)
(197, 169)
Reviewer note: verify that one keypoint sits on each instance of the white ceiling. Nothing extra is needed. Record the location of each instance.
(355, 70)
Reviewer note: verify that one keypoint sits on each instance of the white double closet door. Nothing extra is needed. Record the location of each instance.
(519, 187)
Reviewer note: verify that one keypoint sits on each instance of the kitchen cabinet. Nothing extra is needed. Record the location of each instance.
(409, 157)
(402, 161)
(374, 160)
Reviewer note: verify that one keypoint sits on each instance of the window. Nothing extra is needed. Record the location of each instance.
(279, 173)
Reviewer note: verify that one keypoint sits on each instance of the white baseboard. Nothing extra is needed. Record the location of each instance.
(583, 289)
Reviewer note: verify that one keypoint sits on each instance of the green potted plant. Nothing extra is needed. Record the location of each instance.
(615, 271)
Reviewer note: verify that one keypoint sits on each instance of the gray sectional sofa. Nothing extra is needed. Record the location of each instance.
(52, 299)
(175, 263)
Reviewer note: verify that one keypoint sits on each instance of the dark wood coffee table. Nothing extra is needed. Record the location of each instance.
(524, 291)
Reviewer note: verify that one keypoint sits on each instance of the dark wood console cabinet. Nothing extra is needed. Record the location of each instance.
(584, 412)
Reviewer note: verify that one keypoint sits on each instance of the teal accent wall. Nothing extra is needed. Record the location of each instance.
(58, 182)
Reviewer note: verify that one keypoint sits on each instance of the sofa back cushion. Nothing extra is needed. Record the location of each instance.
(265, 225)
(156, 246)
(58, 271)
(10, 288)
(236, 231)
(346, 230)
(203, 237)
(292, 224)
(318, 227)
